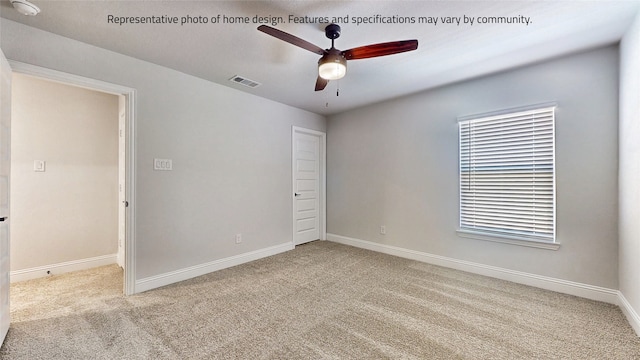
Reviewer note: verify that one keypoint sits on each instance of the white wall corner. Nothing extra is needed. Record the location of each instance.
(548, 283)
(61, 268)
(157, 281)
(629, 312)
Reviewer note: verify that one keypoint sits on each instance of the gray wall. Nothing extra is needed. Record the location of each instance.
(630, 166)
(231, 154)
(396, 164)
(70, 211)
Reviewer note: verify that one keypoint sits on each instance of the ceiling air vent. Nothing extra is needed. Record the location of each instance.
(244, 81)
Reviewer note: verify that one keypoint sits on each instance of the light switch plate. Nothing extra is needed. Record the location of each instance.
(162, 164)
(39, 165)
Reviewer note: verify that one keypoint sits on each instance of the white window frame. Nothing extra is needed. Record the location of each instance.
(493, 209)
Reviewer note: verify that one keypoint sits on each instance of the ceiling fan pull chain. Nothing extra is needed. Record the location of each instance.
(326, 99)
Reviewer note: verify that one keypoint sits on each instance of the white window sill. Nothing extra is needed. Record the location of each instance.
(508, 240)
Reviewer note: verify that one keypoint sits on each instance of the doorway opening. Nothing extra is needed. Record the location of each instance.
(93, 171)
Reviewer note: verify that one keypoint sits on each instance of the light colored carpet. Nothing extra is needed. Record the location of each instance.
(320, 301)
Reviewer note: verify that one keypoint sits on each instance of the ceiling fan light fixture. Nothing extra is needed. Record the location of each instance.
(332, 66)
(25, 8)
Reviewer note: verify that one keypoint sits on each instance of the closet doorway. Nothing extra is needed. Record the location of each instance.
(71, 174)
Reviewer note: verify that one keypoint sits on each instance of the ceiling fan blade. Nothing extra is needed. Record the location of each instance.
(321, 83)
(381, 49)
(291, 39)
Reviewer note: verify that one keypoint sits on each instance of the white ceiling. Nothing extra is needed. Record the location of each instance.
(446, 53)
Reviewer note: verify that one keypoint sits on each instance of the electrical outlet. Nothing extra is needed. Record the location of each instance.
(238, 238)
(383, 230)
(39, 165)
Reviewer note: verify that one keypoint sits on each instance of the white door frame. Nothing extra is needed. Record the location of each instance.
(122, 172)
(130, 95)
(5, 242)
(322, 212)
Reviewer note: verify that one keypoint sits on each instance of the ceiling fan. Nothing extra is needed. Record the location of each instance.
(333, 63)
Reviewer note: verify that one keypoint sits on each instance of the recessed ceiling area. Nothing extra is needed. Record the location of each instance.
(216, 40)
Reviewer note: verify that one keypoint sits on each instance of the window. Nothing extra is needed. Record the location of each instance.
(507, 175)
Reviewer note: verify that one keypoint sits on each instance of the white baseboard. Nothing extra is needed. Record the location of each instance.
(61, 268)
(157, 281)
(629, 312)
(562, 286)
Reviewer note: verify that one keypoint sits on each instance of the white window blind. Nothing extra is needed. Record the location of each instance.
(507, 175)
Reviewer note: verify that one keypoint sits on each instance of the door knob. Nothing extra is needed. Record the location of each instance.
(297, 194)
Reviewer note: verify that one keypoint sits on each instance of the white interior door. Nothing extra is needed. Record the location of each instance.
(307, 185)
(5, 167)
